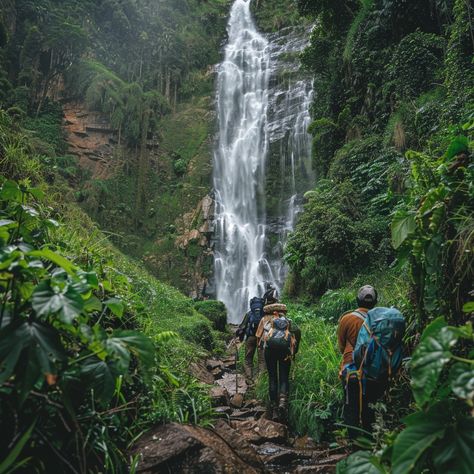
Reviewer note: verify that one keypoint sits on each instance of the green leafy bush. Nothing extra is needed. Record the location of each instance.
(335, 237)
(433, 227)
(416, 64)
(215, 311)
(65, 348)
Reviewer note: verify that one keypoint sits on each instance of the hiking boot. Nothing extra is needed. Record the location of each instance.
(283, 409)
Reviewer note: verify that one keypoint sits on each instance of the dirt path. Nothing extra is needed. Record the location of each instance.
(240, 441)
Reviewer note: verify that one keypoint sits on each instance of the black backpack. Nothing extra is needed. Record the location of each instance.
(255, 315)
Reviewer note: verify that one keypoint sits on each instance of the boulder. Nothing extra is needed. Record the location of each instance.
(260, 431)
(240, 445)
(233, 386)
(199, 371)
(190, 449)
(219, 396)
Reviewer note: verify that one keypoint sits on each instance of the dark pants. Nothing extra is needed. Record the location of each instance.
(278, 368)
(250, 349)
(374, 391)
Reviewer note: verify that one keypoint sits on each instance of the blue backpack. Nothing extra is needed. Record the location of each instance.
(378, 351)
(255, 315)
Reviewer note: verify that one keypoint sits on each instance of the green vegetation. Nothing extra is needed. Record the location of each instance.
(94, 350)
(273, 15)
(393, 206)
(215, 311)
(145, 67)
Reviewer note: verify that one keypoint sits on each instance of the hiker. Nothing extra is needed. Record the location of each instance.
(370, 340)
(280, 338)
(247, 329)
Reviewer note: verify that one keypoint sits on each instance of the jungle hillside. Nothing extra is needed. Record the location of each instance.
(115, 354)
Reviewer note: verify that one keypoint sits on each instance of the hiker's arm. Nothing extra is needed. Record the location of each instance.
(342, 335)
(259, 332)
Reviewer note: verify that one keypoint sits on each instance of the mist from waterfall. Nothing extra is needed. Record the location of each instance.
(254, 111)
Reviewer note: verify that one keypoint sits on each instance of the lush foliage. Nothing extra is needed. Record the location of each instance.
(66, 353)
(392, 76)
(93, 348)
(434, 227)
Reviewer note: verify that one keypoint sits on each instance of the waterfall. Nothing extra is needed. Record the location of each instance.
(261, 118)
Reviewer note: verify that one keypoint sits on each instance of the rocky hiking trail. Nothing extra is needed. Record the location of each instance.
(241, 439)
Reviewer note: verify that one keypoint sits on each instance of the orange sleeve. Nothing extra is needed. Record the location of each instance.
(342, 334)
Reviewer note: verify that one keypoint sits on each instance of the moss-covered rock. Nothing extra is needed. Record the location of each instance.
(215, 311)
(198, 330)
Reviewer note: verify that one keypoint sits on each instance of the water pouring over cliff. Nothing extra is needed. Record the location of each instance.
(262, 138)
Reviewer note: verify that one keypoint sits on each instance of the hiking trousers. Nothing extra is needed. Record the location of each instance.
(374, 391)
(278, 368)
(251, 347)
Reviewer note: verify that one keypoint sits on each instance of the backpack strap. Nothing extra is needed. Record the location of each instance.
(360, 315)
(357, 314)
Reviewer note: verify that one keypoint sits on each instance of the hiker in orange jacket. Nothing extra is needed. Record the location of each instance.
(347, 332)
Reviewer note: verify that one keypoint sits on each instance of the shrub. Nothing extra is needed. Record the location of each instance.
(415, 63)
(334, 238)
(198, 331)
(215, 311)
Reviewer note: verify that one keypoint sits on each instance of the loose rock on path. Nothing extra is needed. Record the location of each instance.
(241, 440)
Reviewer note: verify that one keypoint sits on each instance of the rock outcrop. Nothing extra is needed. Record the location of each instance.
(175, 448)
(92, 139)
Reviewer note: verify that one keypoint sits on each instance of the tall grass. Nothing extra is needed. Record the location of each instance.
(315, 385)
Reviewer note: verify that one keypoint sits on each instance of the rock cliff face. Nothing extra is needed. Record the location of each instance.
(172, 231)
(91, 139)
(193, 240)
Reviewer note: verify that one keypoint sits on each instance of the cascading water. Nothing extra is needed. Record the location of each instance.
(257, 115)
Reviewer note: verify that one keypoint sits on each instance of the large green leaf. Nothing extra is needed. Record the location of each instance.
(10, 349)
(361, 462)
(54, 257)
(468, 307)
(422, 430)
(462, 382)
(454, 454)
(402, 226)
(100, 376)
(138, 344)
(429, 358)
(49, 299)
(93, 304)
(116, 306)
(119, 352)
(43, 350)
(458, 145)
(10, 191)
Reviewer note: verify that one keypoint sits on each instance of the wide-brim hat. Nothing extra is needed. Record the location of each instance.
(275, 308)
